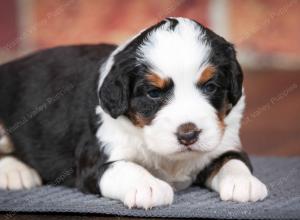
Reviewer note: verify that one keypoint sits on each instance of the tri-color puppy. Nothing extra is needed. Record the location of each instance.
(134, 122)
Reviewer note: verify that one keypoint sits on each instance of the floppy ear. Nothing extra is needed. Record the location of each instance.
(236, 80)
(114, 92)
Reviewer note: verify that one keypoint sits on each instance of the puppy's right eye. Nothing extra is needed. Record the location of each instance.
(154, 94)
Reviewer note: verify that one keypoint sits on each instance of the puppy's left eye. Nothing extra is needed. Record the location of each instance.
(209, 88)
(154, 94)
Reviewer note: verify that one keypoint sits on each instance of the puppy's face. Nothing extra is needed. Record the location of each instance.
(176, 81)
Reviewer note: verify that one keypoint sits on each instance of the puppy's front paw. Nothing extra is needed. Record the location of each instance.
(242, 188)
(15, 175)
(149, 193)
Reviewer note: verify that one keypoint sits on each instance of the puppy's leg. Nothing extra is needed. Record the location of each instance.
(15, 175)
(235, 182)
(135, 186)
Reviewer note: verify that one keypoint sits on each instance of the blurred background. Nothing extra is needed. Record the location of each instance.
(266, 34)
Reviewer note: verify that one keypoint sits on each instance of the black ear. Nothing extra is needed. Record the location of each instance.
(236, 80)
(114, 92)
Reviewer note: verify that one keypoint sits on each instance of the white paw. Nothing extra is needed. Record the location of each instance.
(242, 188)
(149, 193)
(15, 175)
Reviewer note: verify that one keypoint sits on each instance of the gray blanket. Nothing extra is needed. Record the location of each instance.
(282, 176)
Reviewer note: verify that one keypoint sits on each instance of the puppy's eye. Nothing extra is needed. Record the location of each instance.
(209, 88)
(154, 94)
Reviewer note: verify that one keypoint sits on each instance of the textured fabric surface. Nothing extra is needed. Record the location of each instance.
(282, 176)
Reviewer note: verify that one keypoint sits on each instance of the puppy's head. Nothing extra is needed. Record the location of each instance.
(176, 81)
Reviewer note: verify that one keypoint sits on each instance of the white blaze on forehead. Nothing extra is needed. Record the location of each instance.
(178, 53)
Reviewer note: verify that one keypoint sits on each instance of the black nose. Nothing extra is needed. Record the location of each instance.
(187, 133)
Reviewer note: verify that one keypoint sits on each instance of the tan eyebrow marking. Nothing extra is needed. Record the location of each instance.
(207, 74)
(157, 81)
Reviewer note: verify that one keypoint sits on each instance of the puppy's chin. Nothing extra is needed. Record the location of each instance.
(176, 151)
(194, 150)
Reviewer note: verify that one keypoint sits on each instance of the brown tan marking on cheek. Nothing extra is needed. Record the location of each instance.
(157, 81)
(207, 74)
(138, 120)
(222, 114)
(221, 117)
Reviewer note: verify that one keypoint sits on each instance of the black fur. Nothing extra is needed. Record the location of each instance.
(218, 162)
(229, 77)
(48, 103)
(114, 92)
(173, 23)
(142, 104)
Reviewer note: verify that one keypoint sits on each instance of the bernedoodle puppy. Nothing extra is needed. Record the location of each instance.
(134, 122)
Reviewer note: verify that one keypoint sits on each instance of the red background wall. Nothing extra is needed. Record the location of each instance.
(264, 27)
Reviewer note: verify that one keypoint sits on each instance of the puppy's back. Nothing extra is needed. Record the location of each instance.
(47, 104)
